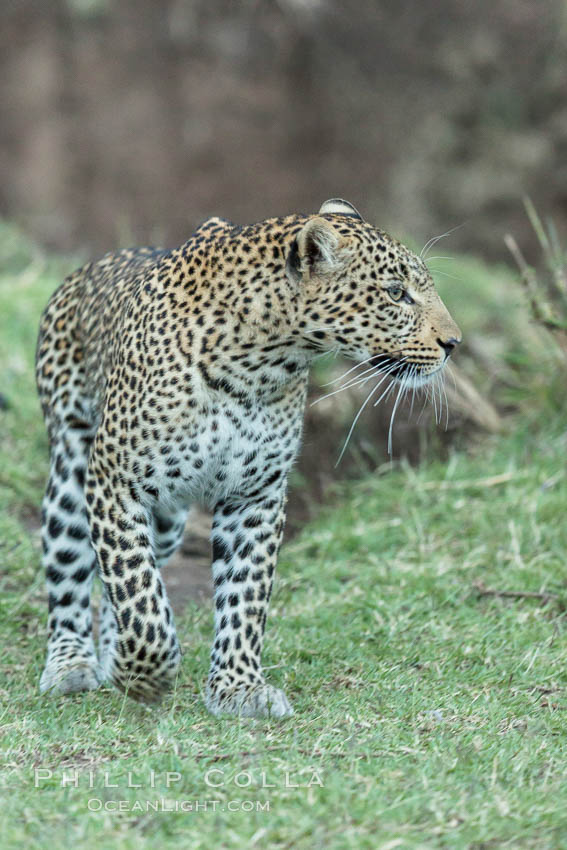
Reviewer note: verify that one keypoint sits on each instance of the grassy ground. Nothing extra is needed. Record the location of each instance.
(430, 708)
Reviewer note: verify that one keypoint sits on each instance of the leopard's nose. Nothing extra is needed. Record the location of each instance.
(449, 345)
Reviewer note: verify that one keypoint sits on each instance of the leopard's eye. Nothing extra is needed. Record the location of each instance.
(396, 292)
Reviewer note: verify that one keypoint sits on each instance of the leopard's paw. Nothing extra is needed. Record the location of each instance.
(72, 677)
(248, 700)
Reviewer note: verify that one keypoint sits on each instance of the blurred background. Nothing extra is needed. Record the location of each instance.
(419, 625)
(130, 121)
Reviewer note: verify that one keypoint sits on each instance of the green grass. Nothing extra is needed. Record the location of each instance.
(433, 715)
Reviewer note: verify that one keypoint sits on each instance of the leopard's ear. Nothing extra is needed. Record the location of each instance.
(315, 250)
(341, 207)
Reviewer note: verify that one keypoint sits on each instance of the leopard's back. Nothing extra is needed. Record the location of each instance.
(80, 328)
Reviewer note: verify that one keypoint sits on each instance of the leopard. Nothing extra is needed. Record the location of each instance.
(173, 378)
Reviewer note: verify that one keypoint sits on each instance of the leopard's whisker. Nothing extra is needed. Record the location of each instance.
(434, 397)
(392, 417)
(435, 239)
(446, 274)
(388, 390)
(323, 329)
(354, 382)
(376, 403)
(356, 366)
(427, 389)
(358, 415)
(438, 388)
(363, 378)
(356, 378)
(450, 372)
(442, 399)
(327, 353)
(414, 388)
(414, 391)
(352, 427)
(446, 400)
(359, 379)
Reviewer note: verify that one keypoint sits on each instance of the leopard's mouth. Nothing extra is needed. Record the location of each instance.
(399, 368)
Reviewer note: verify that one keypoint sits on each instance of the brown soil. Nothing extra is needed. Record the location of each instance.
(188, 574)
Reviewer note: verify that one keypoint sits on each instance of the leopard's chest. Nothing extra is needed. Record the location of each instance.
(228, 451)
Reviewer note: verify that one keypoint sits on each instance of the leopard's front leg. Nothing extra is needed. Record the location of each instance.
(246, 537)
(144, 655)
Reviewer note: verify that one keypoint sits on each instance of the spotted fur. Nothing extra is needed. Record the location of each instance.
(173, 377)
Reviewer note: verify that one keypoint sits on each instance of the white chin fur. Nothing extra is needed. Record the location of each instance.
(416, 381)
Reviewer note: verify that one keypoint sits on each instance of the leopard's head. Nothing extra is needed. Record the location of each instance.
(369, 297)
